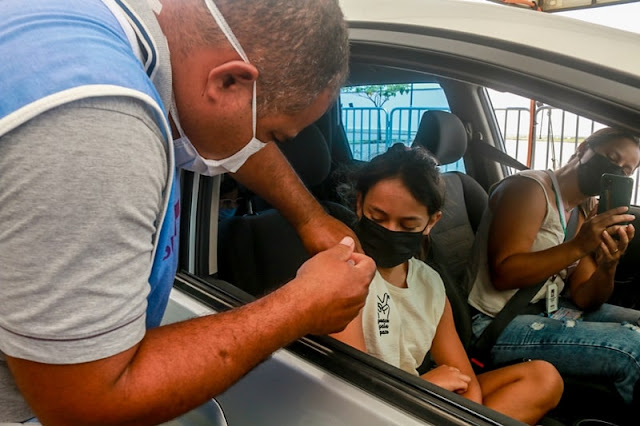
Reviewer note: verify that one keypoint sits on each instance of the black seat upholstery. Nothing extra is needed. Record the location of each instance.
(309, 156)
(259, 253)
(451, 240)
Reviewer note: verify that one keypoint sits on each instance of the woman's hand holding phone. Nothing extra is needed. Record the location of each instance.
(590, 234)
(615, 241)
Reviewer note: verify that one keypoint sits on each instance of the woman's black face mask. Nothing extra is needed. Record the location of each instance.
(590, 171)
(387, 248)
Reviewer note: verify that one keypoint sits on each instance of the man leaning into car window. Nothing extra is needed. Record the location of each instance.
(102, 101)
(520, 244)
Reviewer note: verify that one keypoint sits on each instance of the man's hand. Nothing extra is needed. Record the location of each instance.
(268, 174)
(135, 387)
(449, 378)
(323, 231)
(334, 285)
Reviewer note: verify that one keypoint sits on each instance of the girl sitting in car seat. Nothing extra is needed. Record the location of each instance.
(398, 199)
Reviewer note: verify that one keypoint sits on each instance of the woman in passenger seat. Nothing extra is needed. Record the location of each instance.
(407, 314)
(520, 243)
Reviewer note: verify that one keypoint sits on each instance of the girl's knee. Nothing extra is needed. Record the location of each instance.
(546, 381)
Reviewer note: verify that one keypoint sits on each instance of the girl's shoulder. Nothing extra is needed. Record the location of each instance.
(421, 272)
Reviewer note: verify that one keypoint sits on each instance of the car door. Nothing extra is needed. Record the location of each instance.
(317, 380)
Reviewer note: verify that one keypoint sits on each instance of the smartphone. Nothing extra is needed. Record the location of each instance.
(615, 191)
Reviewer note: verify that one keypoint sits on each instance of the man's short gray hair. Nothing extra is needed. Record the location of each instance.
(300, 47)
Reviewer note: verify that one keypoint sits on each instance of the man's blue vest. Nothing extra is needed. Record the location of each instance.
(59, 51)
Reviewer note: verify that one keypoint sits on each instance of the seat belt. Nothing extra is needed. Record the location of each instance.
(477, 144)
(493, 153)
(517, 305)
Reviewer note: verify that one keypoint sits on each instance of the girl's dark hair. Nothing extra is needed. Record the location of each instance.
(417, 170)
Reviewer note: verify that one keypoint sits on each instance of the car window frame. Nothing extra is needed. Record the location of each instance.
(389, 384)
(409, 393)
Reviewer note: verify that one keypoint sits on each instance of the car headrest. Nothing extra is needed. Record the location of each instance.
(309, 155)
(443, 134)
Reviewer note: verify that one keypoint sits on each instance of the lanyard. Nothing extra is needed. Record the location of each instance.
(559, 202)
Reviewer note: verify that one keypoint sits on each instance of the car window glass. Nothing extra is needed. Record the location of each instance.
(377, 116)
(555, 131)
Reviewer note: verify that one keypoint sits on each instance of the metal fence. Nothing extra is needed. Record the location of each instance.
(372, 130)
(404, 123)
(366, 129)
(558, 134)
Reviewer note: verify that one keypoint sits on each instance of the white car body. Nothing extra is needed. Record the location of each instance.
(593, 69)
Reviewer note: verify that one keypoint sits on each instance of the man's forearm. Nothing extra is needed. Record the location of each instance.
(177, 367)
(268, 174)
(174, 369)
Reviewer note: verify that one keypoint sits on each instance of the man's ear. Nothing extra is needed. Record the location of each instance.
(433, 219)
(233, 78)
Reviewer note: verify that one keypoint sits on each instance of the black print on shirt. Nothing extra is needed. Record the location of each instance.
(383, 314)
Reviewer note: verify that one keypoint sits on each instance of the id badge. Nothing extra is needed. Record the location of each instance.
(552, 297)
(567, 314)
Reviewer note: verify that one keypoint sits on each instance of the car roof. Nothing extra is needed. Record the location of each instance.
(570, 37)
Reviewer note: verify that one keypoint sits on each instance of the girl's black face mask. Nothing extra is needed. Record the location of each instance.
(387, 248)
(590, 171)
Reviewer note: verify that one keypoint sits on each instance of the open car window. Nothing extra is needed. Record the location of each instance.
(540, 135)
(376, 116)
(448, 70)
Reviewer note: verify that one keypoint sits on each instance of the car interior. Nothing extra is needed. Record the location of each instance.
(259, 251)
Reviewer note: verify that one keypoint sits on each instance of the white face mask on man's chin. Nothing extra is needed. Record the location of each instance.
(186, 155)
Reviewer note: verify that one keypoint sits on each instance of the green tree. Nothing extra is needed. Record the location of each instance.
(378, 94)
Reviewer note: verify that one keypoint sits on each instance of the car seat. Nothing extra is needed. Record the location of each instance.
(451, 240)
(260, 252)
